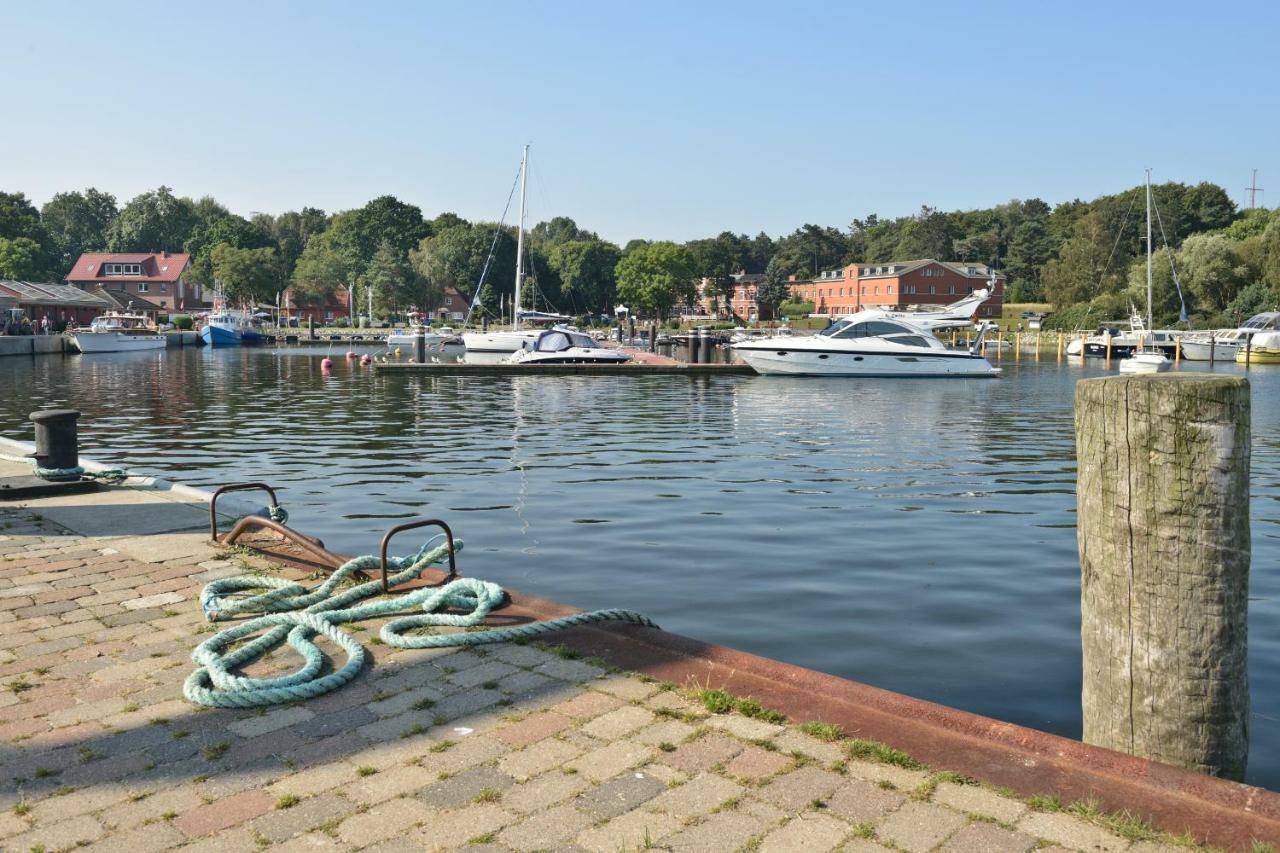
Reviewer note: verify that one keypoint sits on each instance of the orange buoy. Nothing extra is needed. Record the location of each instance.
(326, 364)
(365, 359)
(350, 355)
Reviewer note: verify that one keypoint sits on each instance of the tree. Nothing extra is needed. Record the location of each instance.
(656, 277)
(152, 222)
(19, 217)
(1030, 249)
(587, 271)
(455, 257)
(392, 279)
(1085, 267)
(559, 229)
(1208, 207)
(718, 258)
(1212, 269)
(775, 289)
(19, 220)
(20, 259)
(77, 223)
(360, 232)
(929, 235)
(320, 271)
(225, 230)
(246, 275)
(1271, 254)
(291, 231)
(813, 248)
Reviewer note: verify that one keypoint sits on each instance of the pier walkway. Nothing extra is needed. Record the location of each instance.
(498, 748)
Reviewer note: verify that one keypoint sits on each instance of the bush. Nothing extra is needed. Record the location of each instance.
(182, 322)
(795, 309)
(342, 322)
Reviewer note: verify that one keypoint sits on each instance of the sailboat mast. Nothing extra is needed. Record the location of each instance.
(515, 316)
(1150, 324)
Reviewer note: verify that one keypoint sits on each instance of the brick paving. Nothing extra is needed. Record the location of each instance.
(498, 748)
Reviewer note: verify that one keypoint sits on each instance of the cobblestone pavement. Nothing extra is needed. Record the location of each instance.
(502, 748)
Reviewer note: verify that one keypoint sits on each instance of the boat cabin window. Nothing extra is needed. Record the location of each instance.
(909, 340)
(560, 341)
(1262, 321)
(835, 329)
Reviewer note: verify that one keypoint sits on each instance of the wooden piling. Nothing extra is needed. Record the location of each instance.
(1082, 349)
(1017, 346)
(1108, 352)
(1163, 530)
(1037, 345)
(1060, 343)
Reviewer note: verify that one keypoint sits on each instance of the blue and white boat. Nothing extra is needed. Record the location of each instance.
(227, 328)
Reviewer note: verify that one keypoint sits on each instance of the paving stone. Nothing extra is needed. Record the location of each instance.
(701, 753)
(793, 741)
(699, 796)
(280, 718)
(543, 791)
(224, 813)
(451, 830)
(796, 790)
(586, 705)
(426, 696)
(283, 824)
(378, 823)
(988, 838)
(860, 801)
(463, 788)
(338, 722)
(519, 655)
(157, 600)
(810, 832)
(620, 794)
(754, 763)
(308, 843)
(632, 831)
(720, 833)
(523, 683)
(467, 752)
(611, 760)
(573, 671)
(315, 779)
(490, 671)
(388, 783)
(619, 722)
(1070, 832)
(145, 839)
(626, 687)
(63, 835)
(533, 728)
(744, 727)
(542, 756)
(977, 800)
(900, 777)
(664, 731)
(919, 827)
(545, 830)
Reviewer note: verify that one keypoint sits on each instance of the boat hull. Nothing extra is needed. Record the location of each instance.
(91, 342)
(1200, 351)
(1258, 355)
(408, 339)
(221, 336)
(498, 341)
(798, 362)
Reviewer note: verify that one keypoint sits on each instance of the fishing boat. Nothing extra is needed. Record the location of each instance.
(226, 327)
(515, 338)
(562, 346)
(1147, 358)
(868, 343)
(114, 332)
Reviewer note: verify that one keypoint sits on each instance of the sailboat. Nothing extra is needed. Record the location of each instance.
(1146, 360)
(515, 338)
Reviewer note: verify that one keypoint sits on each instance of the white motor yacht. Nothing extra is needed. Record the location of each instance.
(562, 346)
(416, 327)
(868, 343)
(118, 333)
(1261, 331)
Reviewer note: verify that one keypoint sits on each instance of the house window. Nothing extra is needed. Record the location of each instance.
(951, 288)
(889, 289)
(142, 287)
(933, 289)
(164, 288)
(122, 269)
(877, 291)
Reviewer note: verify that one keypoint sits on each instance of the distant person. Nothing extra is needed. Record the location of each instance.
(44, 325)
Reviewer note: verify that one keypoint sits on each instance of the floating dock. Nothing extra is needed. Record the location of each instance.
(673, 368)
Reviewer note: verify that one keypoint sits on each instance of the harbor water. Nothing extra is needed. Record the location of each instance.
(917, 535)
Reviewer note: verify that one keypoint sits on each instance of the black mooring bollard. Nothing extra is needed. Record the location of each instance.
(57, 445)
(420, 348)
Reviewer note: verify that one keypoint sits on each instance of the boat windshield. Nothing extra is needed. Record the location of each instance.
(559, 341)
(871, 329)
(1262, 321)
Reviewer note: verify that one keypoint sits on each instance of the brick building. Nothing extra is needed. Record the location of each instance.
(741, 304)
(61, 303)
(157, 277)
(897, 285)
(453, 308)
(335, 307)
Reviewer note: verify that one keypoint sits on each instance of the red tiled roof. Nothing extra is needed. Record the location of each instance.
(156, 266)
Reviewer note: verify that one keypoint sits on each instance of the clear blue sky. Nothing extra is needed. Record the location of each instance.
(657, 120)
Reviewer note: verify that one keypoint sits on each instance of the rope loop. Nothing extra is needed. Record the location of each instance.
(285, 611)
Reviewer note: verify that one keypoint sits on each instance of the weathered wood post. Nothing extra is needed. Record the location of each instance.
(1163, 529)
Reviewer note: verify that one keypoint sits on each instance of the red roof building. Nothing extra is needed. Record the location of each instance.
(154, 276)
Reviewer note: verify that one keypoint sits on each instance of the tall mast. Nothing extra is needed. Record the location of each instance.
(515, 316)
(1150, 323)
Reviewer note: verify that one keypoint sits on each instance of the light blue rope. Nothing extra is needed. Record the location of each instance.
(294, 614)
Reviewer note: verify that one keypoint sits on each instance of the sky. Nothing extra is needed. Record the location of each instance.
(659, 120)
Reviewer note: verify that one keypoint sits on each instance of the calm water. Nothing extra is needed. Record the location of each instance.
(917, 535)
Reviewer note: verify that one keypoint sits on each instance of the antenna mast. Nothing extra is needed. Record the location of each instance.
(515, 314)
(1253, 189)
(1150, 324)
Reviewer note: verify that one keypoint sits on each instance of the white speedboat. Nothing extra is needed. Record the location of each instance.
(500, 341)
(1146, 361)
(118, 333)
(868, 343)
(561, 346)
(416, 327)
(1148, 357)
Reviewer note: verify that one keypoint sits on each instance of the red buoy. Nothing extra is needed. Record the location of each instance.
(366, 358)
(326, 364)
(350, 355)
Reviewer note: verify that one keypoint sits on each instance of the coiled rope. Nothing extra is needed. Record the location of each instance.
(296, 615)
(62, 475)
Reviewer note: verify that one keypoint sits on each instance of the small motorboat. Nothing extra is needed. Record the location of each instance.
(417, 326)
(1146, 361)
(561, 346)
(118, 333)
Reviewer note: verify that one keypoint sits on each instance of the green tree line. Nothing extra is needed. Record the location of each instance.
(1086, 258)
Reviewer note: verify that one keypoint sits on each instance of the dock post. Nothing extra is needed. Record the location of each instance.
(57, 444)
(420, 348)
(1163, 532)
(1108, 352)
(1017, 346)
(1213, 340)
(1177, 349)
(1037, 344)
(311, 328)
(1060, 347)
(1083, 344)
(653, 337)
